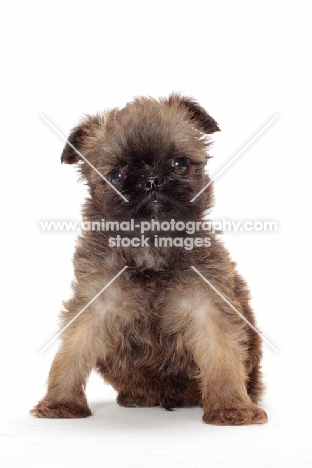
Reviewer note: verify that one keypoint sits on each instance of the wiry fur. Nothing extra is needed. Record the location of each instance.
(158, 334)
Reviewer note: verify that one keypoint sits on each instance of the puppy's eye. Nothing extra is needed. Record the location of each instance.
(181, 164)
(116, 176)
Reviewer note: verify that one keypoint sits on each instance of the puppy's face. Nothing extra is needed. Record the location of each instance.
(153, 152)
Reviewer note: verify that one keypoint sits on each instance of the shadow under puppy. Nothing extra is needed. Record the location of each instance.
(158, 334)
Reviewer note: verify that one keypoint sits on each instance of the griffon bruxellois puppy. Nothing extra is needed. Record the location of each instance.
(158, 333)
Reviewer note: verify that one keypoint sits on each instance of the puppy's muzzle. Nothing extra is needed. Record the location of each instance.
(152, 184)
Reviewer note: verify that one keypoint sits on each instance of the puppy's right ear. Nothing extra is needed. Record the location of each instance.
(74, 143)
(196, 113)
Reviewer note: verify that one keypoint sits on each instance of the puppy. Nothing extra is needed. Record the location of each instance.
(158, 333)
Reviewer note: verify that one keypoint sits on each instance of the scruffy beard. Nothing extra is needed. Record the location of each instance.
(161, 205)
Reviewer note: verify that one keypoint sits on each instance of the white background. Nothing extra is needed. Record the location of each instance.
(245, 62)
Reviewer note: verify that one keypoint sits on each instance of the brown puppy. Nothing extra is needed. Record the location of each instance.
(158, 334)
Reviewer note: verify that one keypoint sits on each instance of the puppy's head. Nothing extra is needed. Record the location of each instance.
(153, 152)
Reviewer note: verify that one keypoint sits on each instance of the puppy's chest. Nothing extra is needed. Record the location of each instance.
(149, 258)
(144, 343)
(147, 327)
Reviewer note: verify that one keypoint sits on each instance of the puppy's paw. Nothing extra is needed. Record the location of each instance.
(241, 415)
(49, 409)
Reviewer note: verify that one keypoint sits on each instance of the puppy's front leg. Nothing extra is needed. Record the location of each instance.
(217, 342)
(65, 397)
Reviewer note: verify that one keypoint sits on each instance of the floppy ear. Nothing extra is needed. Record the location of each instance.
(69, 155)
(197, 113)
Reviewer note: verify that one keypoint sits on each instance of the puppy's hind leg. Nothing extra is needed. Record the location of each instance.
(255, 387)
(137, 400)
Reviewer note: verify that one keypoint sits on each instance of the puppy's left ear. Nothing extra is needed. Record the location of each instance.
(69, 154)
(197, 113)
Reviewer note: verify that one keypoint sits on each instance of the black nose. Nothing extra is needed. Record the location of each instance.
(152, 184)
